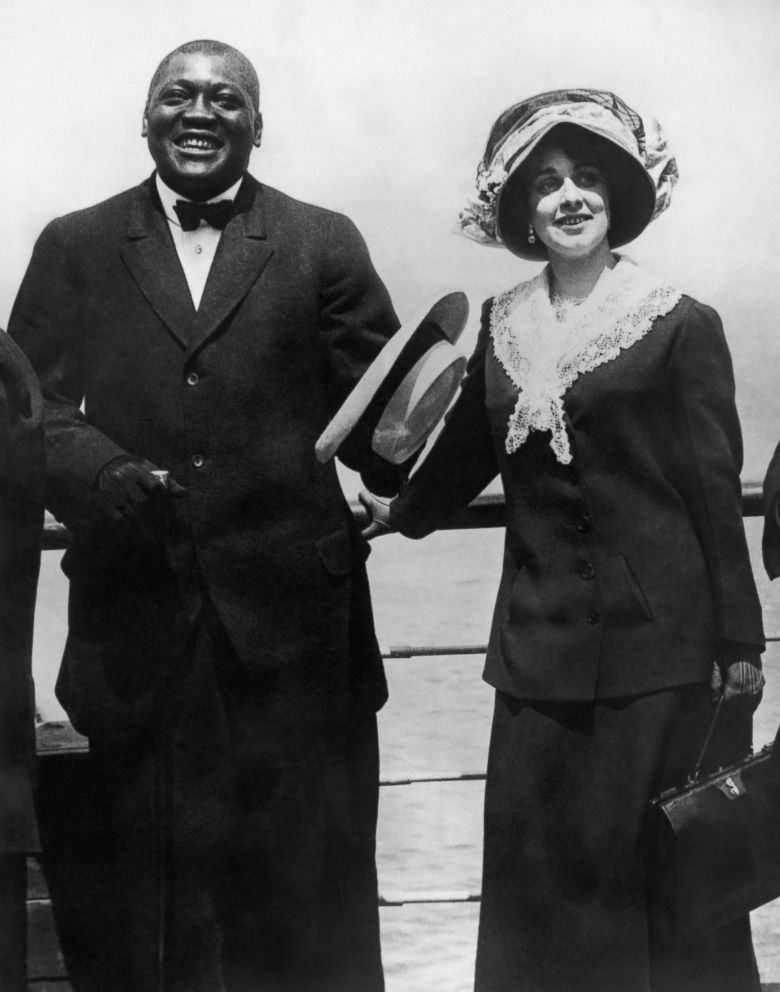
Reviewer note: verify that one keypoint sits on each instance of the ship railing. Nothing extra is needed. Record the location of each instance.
(487, 511)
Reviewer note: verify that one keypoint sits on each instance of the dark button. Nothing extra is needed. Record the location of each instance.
(197, 461)
(193, 379)
(593, 617)
(583, 524)
(586, 569)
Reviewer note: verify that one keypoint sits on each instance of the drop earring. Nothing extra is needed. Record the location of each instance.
(531, 235)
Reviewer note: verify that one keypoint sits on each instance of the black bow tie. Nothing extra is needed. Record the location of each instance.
(191, 214)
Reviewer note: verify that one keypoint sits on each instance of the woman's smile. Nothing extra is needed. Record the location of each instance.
(572, 220)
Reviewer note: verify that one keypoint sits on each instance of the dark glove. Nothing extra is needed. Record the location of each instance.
(740, 680)
(379, 515)
(134, 492)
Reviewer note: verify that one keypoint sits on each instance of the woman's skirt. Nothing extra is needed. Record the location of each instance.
(564, 905)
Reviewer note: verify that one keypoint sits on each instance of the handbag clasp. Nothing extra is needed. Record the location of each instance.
(732, 787)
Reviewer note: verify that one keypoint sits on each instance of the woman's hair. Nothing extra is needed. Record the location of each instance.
(581, 146)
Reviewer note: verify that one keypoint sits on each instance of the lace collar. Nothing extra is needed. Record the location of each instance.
(543, 350)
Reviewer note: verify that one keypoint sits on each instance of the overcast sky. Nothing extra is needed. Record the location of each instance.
(380, 108)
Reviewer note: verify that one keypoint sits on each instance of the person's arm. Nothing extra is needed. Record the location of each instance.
(87, 472)
(21, 429)
(357, 320)
(462, 460)
(703, 376)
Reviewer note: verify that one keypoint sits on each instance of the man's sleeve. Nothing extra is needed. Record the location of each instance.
(357, 320)
(46, 323)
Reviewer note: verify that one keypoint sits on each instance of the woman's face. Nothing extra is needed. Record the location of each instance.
(568, 205)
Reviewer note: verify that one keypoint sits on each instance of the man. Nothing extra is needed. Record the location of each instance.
(221, 655)
(21, 520)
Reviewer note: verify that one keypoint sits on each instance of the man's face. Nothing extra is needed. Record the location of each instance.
(201, 124)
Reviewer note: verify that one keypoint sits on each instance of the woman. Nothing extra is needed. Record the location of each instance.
(604, 398)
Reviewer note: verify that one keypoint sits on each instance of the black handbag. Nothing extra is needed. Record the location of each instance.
(713, 846)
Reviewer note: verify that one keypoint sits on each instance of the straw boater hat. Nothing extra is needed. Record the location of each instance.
(409, 385)
(641, 175)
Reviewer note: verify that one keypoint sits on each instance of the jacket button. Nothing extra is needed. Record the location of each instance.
(583, 524)
(197, 461)
(193, 379)
(587, 571)
(593, 617)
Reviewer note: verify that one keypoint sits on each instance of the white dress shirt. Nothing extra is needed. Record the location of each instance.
(196, 249)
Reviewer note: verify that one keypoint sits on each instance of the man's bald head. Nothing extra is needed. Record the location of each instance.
(238, 62)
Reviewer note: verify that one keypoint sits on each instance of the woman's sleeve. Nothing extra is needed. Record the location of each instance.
(704, 376)
(462, 460)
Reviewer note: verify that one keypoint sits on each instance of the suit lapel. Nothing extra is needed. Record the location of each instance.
(241, 256)
(151, 258)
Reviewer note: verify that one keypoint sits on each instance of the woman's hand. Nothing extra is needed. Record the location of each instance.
(741, 681)
(379, 513)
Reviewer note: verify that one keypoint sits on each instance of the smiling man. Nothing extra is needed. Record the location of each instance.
(193, 336)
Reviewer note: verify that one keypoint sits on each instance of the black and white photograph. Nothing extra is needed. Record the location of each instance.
(390, 496)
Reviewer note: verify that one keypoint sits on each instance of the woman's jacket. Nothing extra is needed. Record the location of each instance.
(626, 569)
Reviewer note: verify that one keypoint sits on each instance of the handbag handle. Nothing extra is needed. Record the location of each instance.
(694, 777)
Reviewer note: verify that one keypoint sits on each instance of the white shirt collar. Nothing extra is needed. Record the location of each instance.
(168, 197)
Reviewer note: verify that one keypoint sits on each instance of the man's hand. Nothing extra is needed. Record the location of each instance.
(379, 512)
(133, 491)
(740, 681)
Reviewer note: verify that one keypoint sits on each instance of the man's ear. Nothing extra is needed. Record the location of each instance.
(145, 123)
(258, 129)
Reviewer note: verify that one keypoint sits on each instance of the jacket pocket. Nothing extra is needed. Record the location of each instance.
(625, 599)
(335, 553)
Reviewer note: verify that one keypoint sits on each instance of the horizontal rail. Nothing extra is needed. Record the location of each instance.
(58, 737)
(487, 510)
(431, 651)
(55, 535)
(442, 650)
(427, 779)
(404, 899)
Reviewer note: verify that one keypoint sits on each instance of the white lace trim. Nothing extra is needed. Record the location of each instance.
(543, 350)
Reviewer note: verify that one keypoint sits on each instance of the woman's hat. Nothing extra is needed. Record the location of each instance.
(647, 170)
(408, 387)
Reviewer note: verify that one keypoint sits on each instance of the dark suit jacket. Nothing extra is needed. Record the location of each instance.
(626, 570)
(21, 519)
(230, 398)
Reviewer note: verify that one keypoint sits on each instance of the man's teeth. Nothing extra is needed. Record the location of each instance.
(204, 143)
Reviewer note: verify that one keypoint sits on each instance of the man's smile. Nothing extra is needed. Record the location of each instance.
(199, 142)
